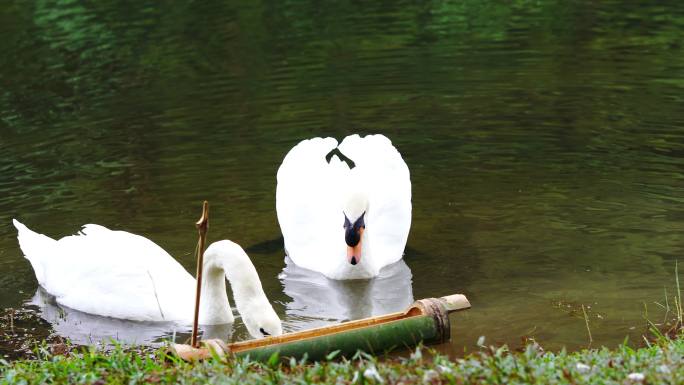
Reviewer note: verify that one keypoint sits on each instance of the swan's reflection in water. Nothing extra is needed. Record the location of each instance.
(84, 328)
(318, 301)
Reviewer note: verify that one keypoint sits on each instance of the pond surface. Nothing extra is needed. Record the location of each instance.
(545, 141)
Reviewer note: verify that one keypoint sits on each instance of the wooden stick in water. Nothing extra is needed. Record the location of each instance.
(202, 225)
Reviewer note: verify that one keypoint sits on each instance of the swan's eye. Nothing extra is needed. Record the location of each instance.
(264, 332)
(347, 222)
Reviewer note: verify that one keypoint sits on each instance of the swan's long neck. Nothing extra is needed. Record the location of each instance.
(214, 304)
(226, 260)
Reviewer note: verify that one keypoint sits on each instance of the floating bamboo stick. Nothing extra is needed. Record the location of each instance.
(426, 321)
(202, 226)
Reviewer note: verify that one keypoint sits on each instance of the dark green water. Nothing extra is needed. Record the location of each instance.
(545, 141)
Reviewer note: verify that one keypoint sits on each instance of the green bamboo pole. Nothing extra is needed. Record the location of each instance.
(426, 321)
(377, 339)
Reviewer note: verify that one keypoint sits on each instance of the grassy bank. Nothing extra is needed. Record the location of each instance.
(662, 363)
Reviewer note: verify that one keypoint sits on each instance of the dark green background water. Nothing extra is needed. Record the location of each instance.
(545, 139)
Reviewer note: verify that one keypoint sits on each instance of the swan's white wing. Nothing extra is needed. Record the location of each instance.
(380, 166)
(308, 204)
(311, 194)
(117, 274)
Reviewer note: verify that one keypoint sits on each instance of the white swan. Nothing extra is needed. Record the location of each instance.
(344, 222)
(122, 275)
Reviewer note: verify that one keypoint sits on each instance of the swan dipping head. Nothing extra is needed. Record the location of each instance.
(229, 259)
(354, 225)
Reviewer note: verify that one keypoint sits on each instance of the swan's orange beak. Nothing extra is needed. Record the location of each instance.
(354, 253)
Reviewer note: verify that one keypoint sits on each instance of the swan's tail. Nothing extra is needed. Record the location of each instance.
(35, 247)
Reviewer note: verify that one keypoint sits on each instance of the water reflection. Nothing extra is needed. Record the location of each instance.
(317, 300)
(546, 147)
(84, 328)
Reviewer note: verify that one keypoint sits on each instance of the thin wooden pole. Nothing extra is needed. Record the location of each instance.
(202, 226)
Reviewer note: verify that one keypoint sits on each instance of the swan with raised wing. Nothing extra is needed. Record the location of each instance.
(122, 275)
(344, 210)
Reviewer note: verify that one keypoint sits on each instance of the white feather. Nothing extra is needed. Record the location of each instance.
(312, 195)
(122, 275)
